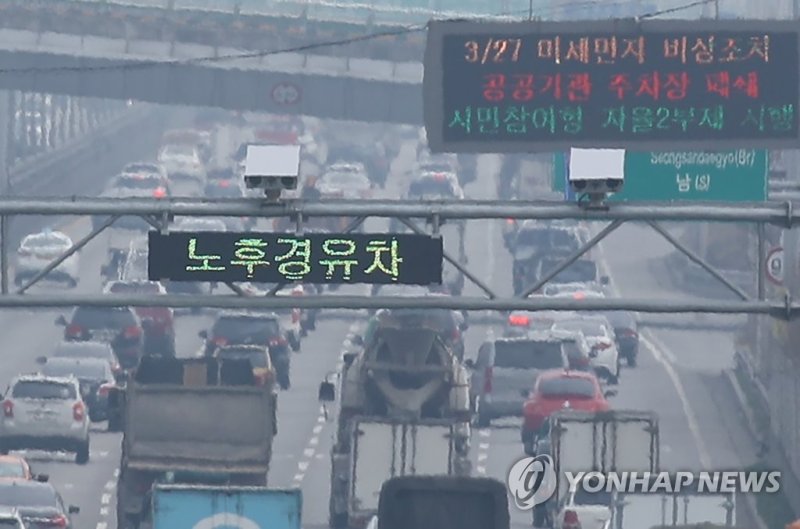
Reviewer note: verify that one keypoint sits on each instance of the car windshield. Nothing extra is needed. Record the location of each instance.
(246, 330)
(528, 354)
(436, 167)
(82, 370)
(258, 359)
(121, 287)
(137, 182)
(11, 469)
(589, 329)
(82, 350)
(19, 495)
(104, 318)
(566, 387)
(431, 186)
(36, 389)
(582, 497)
(532, 237)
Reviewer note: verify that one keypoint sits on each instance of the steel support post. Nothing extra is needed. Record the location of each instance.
(4, 254)
(698, 260)
(450, 259)
(577, 254)
(778, 310)
(70, 251)
(762, 256)
(5, 185)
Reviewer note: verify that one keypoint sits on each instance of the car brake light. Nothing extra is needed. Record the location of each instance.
(487, 380)
(104, 389)
(8, 409)
(57, 521)
(571, 520)
(630, 333)
(160, 192)
(224, 183)
(578, 295)
(74, 330)
(219, 341)
(78, 411)
(133, 332)
(519, 320)
(276, 342)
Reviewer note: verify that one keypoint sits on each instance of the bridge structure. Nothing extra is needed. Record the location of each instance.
(330, 59)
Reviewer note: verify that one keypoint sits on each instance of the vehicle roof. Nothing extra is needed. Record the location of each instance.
(83, 345)
(543, 337)
(594, 318)
(77, 361)
(248, 347)
(13, 457)
(245, 314)
(567, 373)
(47, 234)
(38, 377)
(22, 482)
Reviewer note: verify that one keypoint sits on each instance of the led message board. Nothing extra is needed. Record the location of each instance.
(286, 257)
(653, 85)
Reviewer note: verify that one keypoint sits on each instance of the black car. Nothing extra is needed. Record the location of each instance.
(118, 326)
(95, 378)
(39, 504)
(246, 328)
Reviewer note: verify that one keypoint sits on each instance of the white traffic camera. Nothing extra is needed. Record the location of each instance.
(596, 173)
(273, 168)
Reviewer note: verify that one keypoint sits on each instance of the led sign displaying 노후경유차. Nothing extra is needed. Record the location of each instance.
(653, 85)
(285, 257)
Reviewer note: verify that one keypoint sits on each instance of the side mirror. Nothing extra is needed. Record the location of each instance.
(41, 360)
(61, 320)
(327, 392)
(610, 393)
(525, 393)
(604, 280)
(203, 334)
(74, 509)
(469, 363)
(357, 339)
(42, 478)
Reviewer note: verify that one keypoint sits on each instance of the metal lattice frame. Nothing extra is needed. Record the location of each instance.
(158, 213)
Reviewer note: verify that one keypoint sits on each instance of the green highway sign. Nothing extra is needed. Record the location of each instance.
(711, 176)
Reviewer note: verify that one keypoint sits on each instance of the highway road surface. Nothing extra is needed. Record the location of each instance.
(679, 375)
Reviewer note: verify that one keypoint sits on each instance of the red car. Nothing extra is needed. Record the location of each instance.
(158, 322)
(558, 389)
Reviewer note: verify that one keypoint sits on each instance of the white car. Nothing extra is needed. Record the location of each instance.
(586, 510)
(38, 250)
(182, 160)
(600, 335)
(45, 413)
(291, 320)
(345, 183)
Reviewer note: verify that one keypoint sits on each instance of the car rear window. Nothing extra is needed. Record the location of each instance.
(582, 497)
(528, 354)
(566, 387)
(103, 318)
(93, 370)
(34, 389)
(238, 329)
(577, 272)
(9, 523)
(258, 359)
(11, 469)
(19, 495)
(223, 189)
(429, 186)
(137, 182)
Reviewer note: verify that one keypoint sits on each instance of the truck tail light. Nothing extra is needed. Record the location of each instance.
(8, 409)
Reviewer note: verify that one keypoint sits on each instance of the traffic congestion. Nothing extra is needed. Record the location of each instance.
(78, 380)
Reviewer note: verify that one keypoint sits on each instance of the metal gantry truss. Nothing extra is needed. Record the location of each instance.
(159, 212)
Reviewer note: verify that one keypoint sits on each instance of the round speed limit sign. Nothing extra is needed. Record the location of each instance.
(774, 265)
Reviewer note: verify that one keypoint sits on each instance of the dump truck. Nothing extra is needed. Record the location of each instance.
(610, 441)
(404, 402)
(675, 509)
(193, 506)
(443, 502)
(199, 420)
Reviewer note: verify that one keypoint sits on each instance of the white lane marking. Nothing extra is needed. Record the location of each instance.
(480, 469)
(484, 446)
(102, 525)
(110, 485)
(483, 457)
(104, 511)
(116, 472)
(310, 452)
(483, 451)
(68, 486)
(667, 361)
(485, 432)
(105, 499)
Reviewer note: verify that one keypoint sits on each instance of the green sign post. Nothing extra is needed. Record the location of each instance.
(725, 176)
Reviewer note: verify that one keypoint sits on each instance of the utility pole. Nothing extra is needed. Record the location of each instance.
(5, 118)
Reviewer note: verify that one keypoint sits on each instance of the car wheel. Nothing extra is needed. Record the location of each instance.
(484, 421)
(114, 424)
(294, 342)
(630, 360)
(613, 380)
(338, 521)
(82, 455)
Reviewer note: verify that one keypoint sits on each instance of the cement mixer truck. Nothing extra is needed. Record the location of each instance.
(404, 403)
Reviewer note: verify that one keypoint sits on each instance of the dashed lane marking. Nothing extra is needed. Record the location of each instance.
(102, 525)
(483, 450)
(103, 511)
(105, 499)
(310, 452)
(110, 485)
